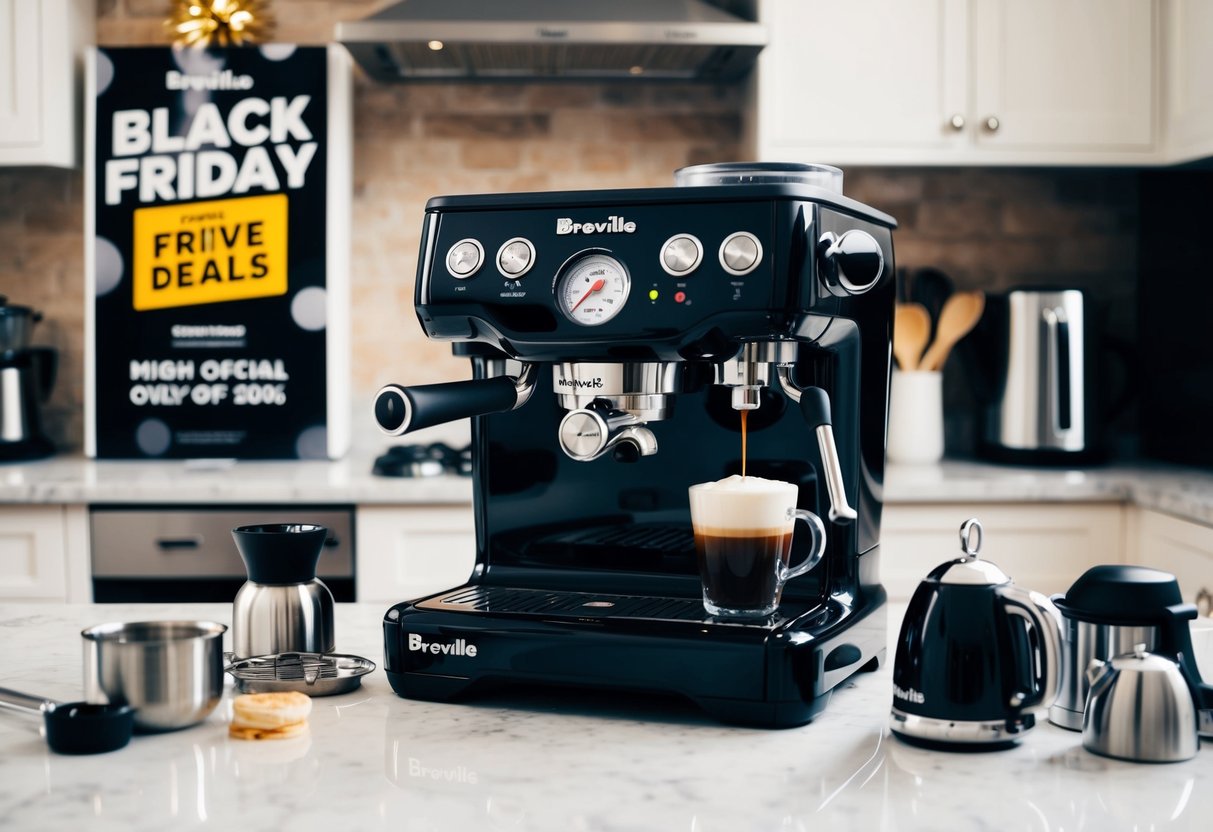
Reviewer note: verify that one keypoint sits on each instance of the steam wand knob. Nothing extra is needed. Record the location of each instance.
(851, 263)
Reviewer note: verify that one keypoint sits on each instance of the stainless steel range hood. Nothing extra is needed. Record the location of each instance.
(535, 40)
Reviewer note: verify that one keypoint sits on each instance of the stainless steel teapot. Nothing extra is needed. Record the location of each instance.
(1140, 707)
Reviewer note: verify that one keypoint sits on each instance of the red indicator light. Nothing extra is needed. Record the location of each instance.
(680, 297)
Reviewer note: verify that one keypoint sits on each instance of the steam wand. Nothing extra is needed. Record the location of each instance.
(815, 405)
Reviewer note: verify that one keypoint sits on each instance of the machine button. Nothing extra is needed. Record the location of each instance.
(740, 253)
(464, 258)
(681, 255)
(515, 257)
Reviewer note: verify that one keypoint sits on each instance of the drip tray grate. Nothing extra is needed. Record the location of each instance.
(551, 604)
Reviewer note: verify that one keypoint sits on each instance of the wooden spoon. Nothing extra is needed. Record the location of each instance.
(960, 314)
(911, 331)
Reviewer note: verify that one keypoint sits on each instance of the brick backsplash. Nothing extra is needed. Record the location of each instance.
(987, 228)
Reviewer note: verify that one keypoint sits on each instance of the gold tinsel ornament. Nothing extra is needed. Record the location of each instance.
(203, 23)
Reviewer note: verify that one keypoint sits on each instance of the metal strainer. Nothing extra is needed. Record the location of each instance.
(316, 674)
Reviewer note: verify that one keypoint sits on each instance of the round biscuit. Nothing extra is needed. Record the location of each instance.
(270, 710)
(284, 733)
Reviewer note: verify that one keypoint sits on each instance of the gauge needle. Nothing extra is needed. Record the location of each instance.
(597, 287)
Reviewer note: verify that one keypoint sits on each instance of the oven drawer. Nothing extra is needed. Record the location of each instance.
(182, 542)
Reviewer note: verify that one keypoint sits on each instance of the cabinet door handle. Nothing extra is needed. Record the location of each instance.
(992, 123)
(957, 122)
(178, 544)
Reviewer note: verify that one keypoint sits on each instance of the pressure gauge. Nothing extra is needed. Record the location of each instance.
(592, 288)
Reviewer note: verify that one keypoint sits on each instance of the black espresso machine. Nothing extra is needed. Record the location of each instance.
(615, 337)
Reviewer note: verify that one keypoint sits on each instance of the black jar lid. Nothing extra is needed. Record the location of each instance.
(280, 553)
(1125, 595)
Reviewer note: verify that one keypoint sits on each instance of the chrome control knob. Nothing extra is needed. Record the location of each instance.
(464, 258)
(740, 253)
(515, 257)
(849, 264)
(681, 255)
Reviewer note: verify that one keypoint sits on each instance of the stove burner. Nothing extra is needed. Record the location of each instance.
(423, 461)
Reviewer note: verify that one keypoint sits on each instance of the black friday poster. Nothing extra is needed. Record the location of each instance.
(217, 310)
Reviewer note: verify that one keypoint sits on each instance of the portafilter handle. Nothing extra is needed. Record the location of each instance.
(399, 409)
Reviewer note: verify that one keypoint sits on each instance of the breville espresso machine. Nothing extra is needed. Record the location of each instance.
(615, 339)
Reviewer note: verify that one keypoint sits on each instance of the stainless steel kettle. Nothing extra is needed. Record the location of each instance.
(1034, 377)
(283, 607)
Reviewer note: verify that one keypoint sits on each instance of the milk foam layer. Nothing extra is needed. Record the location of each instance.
(736, 503)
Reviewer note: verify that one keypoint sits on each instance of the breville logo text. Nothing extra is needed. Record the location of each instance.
(225, 80)
(613, 225)
(910, 695)
(459, 774)
(580, 383)
(459, 648)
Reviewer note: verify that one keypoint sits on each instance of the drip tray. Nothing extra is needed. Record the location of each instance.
(544, 603)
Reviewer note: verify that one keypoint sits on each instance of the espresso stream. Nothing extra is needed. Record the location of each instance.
(744, 414)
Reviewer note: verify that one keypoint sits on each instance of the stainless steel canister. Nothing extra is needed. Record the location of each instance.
(1081, 642)
(282, 618)
(170, 672)
(283, 607)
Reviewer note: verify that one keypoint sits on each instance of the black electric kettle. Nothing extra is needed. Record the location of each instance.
(977, 657)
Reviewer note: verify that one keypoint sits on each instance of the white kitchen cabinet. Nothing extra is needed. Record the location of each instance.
(41, 47)
(1042, 546)
(43, 556)
(1187, 78)
(958, 82)
(405, 552)
(1181, 547)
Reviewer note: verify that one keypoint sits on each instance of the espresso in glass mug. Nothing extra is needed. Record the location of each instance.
(743, 539)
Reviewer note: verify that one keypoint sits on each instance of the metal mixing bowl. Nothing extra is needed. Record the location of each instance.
(170, 672)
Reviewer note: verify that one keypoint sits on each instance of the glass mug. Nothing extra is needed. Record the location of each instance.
(743, 538)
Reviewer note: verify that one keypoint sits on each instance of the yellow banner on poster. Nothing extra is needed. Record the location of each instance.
(209, 252)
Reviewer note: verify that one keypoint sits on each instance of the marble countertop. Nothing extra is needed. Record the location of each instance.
(1184, 492)
(567, 761)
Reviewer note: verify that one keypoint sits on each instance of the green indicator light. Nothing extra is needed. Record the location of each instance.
(652, 294)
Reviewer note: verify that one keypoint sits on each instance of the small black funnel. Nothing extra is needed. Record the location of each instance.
(280, 553)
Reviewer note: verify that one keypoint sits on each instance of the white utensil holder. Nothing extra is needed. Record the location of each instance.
(916, 417)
